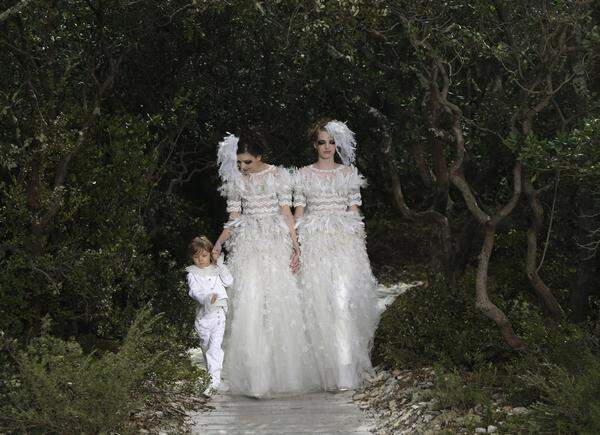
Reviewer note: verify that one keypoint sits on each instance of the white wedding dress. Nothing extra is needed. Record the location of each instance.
(337, 283)
(266, 349)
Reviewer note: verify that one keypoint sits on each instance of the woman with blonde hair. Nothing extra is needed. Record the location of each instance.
(336, 279)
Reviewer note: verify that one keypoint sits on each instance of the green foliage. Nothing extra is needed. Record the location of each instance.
(451, 390)
(59, 388)
(436, 324)
(557, 379)
(569, 401)
(574, 154)
(140, 176)
(96, 250)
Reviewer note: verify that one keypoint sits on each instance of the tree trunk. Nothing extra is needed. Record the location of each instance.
(464, 245)
(586, 259)
(482, 300)
(490, 223)
(549, 303)
(441, 248)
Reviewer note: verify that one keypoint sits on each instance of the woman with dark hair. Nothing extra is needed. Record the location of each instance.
(266, 351)
(337, 283)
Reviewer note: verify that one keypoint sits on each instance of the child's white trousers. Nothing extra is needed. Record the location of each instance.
(210, 328)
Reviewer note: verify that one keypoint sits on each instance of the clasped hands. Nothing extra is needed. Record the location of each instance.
(294, 262)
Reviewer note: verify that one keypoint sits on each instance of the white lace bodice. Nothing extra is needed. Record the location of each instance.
(260, 194)
(330, 191)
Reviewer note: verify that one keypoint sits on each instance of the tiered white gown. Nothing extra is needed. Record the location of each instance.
(266, 348)
(336, 279)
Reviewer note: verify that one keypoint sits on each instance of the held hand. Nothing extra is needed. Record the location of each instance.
(295, 260)
(294, 263)
(216, 252)
(296, 248)
(213, 299)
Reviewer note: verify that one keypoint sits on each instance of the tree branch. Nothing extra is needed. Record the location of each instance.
(13, 10)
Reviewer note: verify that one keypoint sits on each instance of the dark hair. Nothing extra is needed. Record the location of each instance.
(313, 131)
(252, 142)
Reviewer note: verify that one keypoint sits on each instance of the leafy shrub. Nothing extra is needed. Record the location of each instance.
(435, 324)
(569, 402)
(452, 390)
(56, 387)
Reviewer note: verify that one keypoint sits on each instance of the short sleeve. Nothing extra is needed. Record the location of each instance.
(284, 187)
(234, 197)
(299, 195)
(355, 182)
(234, 205)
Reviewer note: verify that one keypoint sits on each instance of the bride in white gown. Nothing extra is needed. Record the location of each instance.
(266, 352)
(335, 274)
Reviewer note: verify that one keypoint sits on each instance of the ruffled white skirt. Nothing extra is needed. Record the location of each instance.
(266, 349)
(340, 301)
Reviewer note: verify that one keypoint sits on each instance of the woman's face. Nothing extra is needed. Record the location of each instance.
(249, 163)
(202, 258)
(325, 146)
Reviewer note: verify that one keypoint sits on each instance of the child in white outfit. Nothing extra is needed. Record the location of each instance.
(207, 279)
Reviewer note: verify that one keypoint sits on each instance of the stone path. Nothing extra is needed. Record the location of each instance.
(323, 413)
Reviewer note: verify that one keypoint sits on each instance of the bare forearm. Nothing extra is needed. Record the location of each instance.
(225, 234)
(289, 220)
(299, 213)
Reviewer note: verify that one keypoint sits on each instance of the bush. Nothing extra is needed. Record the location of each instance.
(434, 324)
(569, 402)
(452, 390)
(56, 387)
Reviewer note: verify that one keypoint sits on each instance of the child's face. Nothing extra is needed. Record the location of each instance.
(201, 258)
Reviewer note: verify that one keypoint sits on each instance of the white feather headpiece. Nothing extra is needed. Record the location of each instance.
(227, 159)
(345, 144)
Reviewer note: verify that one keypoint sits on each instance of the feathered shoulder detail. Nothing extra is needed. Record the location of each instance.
(231, 177)
(342, 178)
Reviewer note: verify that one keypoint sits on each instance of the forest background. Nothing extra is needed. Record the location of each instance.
(478, 125)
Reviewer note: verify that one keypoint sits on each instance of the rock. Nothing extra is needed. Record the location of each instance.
(519, 410)
(143, 431)
(469, 420)
(389, 389)
(403, 402)
(435, 405)
(404, 378)
(422, 396)
(427, 418)
(382, 376)
(369, 378)
(446, 417)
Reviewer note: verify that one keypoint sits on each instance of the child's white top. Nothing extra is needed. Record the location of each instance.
(203, 282)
